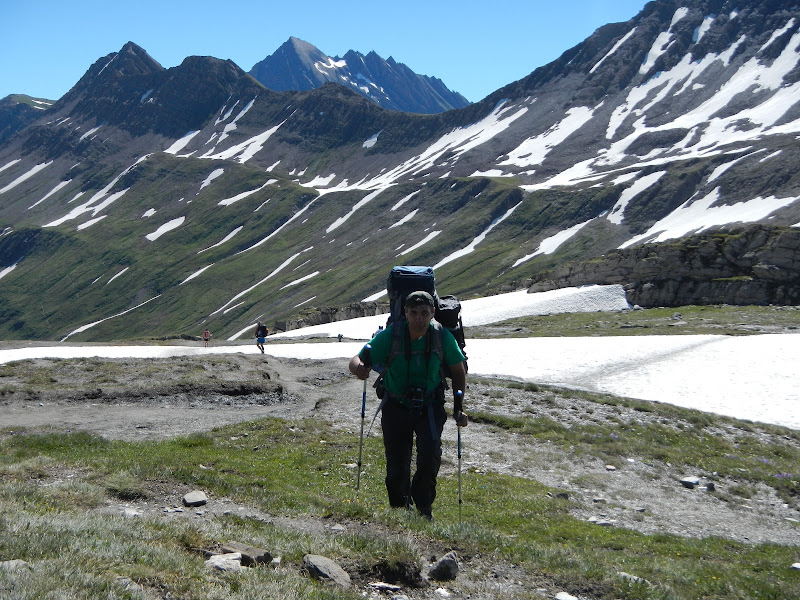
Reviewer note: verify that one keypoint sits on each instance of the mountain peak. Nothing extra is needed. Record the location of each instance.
(300, 66)
(134, 60)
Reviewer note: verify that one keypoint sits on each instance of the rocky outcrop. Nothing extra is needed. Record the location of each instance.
(749, 265)
(332, 314)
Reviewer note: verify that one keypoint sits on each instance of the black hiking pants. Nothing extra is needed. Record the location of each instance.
(400, 424)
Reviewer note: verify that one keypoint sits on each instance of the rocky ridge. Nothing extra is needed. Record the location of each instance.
(756, 265)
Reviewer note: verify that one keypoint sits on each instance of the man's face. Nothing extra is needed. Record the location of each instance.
(419, 317)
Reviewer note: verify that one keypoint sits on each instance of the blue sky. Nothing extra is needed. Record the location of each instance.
(474, 46)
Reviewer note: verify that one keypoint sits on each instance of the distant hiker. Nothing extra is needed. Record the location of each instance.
(413, 353)
(380, 328)
(206, 337)
(340, 336)
(261, 333)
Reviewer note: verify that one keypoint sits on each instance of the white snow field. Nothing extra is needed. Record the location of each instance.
(747, 377)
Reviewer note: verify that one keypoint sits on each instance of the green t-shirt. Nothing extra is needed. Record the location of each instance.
(401, 376)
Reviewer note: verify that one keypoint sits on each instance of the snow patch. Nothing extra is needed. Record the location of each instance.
(166, 227)
(180, 144)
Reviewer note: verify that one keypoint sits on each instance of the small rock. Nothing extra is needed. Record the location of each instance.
(225, 562)
(14, 564)
(606, 523)
(130, 513)
(320, 567)
(796, 566)
(611, 468)
(690, 482)
(338, 528)
(195, 498)
(446, 569)
(249, 555)
(565, 596)
(599, 500)
(385, 587)
(443, 593)
(710, 486)
(128, 584)
(632, 578)
(562, 495)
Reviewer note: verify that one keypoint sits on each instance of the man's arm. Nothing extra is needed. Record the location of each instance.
(458, 374)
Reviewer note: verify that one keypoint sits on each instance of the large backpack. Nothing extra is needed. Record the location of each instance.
(405, 279)
(401, 282)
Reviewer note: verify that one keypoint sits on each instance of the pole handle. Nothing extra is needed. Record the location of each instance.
(366, 355)
(458, 403)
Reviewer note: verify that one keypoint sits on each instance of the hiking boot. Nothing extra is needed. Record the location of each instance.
(425, 514)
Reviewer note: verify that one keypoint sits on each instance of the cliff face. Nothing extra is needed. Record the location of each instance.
(754, 265)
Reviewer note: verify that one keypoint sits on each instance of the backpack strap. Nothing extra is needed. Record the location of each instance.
(437, 347)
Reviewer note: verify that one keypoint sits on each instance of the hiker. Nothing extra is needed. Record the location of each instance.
(413, 401)
(261, 333)
(206, 337)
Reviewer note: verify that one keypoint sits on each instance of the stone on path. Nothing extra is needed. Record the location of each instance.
(195, 498)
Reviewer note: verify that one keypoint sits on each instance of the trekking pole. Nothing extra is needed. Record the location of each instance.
(366, 360)
(459, 404)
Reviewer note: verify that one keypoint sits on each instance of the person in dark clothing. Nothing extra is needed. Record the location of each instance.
(261, 334)
(413, 401)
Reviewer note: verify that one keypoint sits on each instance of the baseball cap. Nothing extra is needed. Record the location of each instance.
(419, 297)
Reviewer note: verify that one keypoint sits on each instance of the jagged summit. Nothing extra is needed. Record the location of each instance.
(132, 91)
(298, 65)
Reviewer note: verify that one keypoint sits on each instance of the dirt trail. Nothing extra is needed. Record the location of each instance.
(146, 399)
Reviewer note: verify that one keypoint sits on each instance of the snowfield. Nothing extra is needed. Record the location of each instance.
(747, 377)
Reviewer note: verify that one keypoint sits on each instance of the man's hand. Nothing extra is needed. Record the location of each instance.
(462, 419)
(358, 368)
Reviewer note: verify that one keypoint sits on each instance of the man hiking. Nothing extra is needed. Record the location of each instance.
(261, 334)
(413, 354)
